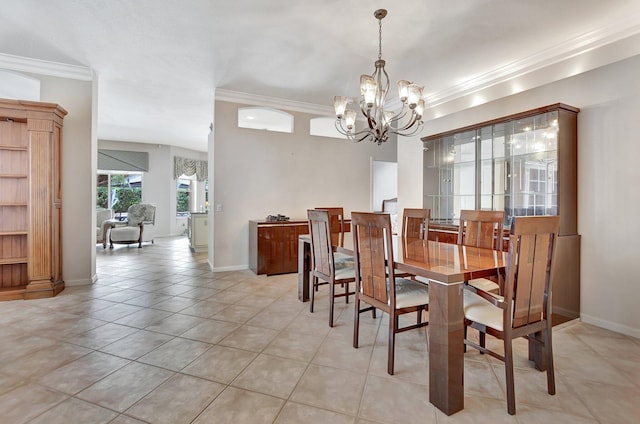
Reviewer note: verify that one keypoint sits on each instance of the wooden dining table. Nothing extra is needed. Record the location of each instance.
(446, 266)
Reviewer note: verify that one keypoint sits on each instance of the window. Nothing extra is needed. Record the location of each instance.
(183, 195)
(264, 118)
(191, 195)
(118, 191)
(324, 127)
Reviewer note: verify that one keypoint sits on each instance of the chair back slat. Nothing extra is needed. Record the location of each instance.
(372, 246)
(415, 226)
(321, 247)
(528, 286)
(415, 223)
(336, 225)
(481, 229)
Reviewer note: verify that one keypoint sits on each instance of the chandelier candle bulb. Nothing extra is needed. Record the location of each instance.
(340, 104)
(415, 93)
(373, 95)
(350, 119)
(403, 90)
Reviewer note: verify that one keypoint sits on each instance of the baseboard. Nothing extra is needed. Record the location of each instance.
(613, 326)
(564, 312)
(231, 268)
(80, 281)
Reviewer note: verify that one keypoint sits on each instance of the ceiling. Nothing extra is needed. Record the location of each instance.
(159, 62)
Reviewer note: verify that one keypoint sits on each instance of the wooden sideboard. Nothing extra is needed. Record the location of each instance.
(273, 245)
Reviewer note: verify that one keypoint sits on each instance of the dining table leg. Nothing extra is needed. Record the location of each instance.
(536, 352)
(446, 346)
(304, 269)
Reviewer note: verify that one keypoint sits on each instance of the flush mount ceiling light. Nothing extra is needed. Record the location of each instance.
(373, 94)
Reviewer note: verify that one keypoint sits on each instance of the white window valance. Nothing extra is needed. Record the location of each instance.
(189, 167)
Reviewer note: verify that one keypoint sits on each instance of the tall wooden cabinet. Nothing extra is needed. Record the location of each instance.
(30, 199)
(524, 164)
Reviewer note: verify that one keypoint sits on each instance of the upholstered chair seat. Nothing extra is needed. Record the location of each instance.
(410, 293)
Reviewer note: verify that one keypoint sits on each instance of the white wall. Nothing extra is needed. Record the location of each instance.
(258, 173)
(385, 182)
(410, 185)
(78, 177)
(158, 185)
(608, 172)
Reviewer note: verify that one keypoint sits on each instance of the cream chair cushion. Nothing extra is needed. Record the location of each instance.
(344, 272)
(481, 311)
(410, 293)
(484, 284)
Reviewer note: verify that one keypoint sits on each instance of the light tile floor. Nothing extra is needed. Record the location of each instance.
(161, 339)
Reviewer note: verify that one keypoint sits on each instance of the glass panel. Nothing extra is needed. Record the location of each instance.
(183, 196)
(464, 172)
(533, 166)
(510, 166)
(118, 191)
(102, 191)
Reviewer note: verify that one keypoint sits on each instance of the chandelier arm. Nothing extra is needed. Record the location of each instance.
(368, 134)
(411, 122)
(352, 134)
(340, 128)
(415, 130)
(370, 120)
(401, 114)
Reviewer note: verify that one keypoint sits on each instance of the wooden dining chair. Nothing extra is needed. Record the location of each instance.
(415, 226)
(337, 226)
(525, 310)
(482, 229)
(415, 223)
(324, 268)
(376, 282)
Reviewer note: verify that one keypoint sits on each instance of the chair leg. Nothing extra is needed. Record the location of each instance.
(393, 325)
(508, 367)
(356, 322)
(346, 292)
(551, 380)
(314, 288)
(483, 338)
(332, 291)
(464, 345)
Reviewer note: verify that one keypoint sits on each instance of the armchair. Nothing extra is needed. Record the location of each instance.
(138, 228)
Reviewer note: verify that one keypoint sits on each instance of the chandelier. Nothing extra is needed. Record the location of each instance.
(373, 94)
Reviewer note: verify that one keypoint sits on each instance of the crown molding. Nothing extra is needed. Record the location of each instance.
(45, 67)
(583, 44)
(274, 102)
(572, 48)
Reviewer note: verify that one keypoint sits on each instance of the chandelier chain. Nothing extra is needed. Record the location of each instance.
(379, 39)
